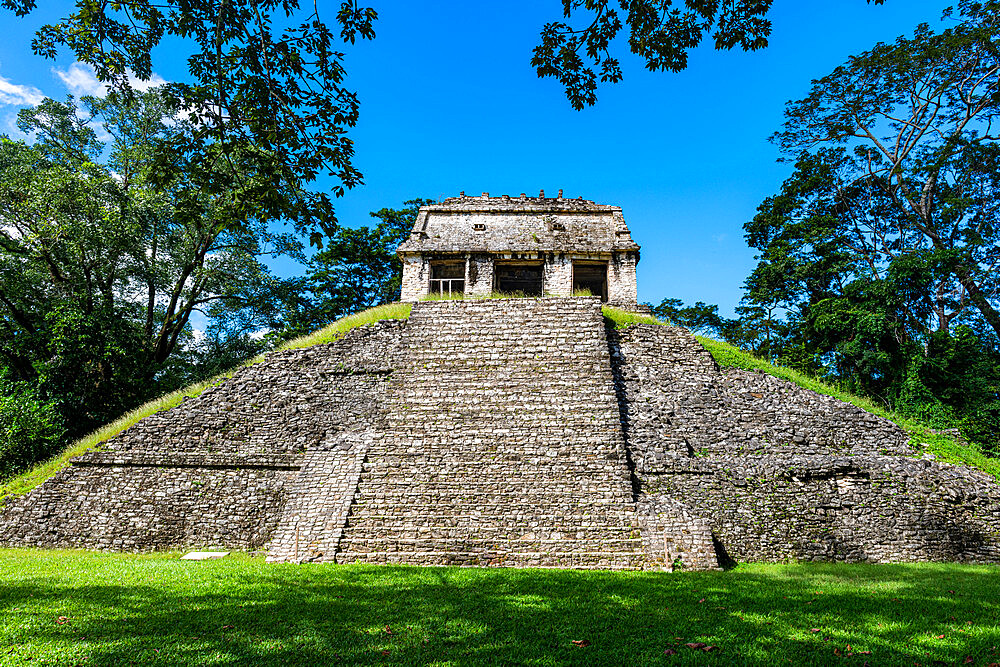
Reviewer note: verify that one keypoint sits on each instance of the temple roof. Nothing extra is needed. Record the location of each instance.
(519, 224)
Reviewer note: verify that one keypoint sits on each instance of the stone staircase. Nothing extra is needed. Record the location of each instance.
(318, 501)
(503, 444)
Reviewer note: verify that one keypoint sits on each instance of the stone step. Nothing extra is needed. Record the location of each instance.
(578, 523)
(504, 444)
(488, 506)
(407, 475)
(465, 477)
(444, 454)
(484, 531)
(599, 494)
(487, 386)
(448, 513)
(584, 561)
(513, 422)
(393, 543)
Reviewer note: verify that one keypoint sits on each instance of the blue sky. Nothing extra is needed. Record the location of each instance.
(450, 103)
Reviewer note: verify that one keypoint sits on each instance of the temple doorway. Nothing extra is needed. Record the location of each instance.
(518, 279)
(591, 277)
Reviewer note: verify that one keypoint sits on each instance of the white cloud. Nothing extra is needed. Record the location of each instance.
(12, 93)
(81, 80)
(142, 86)
(10, 128)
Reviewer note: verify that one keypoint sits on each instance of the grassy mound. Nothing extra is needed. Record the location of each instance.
(28, 480)
(82, 608)
(943, 446)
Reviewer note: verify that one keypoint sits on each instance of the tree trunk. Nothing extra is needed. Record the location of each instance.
(978, 299)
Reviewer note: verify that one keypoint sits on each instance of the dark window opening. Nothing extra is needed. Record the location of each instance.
(591, 278)
(519, 279)
(447, 278)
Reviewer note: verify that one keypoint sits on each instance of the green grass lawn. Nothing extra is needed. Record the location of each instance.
(82, 608)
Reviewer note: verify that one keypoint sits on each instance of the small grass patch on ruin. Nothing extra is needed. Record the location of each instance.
(331, 332)
(625, 318)
(72, 608)
(26, 481)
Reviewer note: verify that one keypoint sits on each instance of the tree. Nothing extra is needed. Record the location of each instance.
(701, 318)
(265, 101)
(898, 147)
(103, 266)
(358, 269)
(881, 249)
(661, 32)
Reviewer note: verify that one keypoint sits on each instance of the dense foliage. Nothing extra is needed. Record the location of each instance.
(265, 91)
(30, 429)
(358, 269)
(661, 32)
(104, 269)
(878, 259)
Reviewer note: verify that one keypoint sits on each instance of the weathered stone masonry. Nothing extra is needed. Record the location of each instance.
(514, 432)
(216, 470)
(778, 472)
(533, 245)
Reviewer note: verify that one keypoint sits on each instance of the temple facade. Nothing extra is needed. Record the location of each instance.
(523, 246)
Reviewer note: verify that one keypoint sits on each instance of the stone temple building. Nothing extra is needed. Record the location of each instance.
(535, 246)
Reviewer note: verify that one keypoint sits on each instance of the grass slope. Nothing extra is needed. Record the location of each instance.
(82, 608)
(28, 480)
(945, 447)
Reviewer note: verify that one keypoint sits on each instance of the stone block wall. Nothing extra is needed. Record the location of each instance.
(779, 472)
(145, 507)
(519, 230)
(673, 537)
(479, 277)
(876, 509)
(622, 285)
(214, 470)
(416, 278)
(558, 276)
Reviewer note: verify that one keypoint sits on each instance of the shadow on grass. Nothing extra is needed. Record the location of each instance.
(118, 610)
